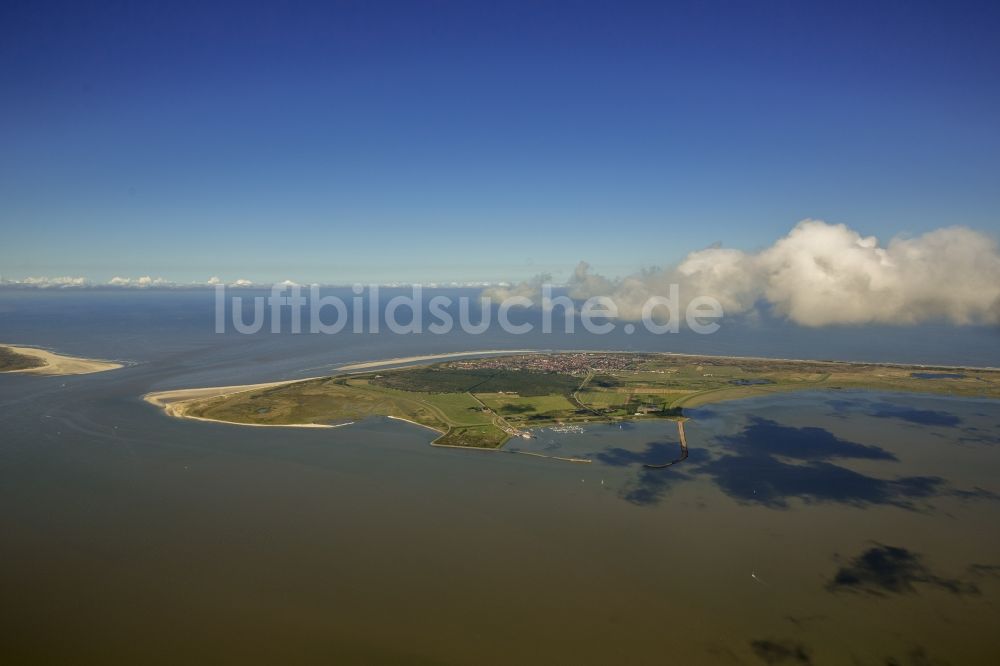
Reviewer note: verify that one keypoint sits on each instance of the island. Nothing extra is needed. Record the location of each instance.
(41, 362)
(482, 402)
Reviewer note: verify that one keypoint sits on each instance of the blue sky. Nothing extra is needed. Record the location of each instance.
(459, 140)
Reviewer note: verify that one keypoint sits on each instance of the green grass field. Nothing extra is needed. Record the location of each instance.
(440, 378)
(508, 404)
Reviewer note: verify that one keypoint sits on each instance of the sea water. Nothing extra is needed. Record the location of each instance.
(820, 527)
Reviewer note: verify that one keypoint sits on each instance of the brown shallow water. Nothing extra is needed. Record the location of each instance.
(828, 528)
(132, 537)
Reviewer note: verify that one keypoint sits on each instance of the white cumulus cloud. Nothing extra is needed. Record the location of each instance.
(823, 274)
(143, 282)
(47, 282)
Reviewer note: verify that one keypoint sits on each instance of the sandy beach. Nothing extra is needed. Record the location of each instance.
(57, 364)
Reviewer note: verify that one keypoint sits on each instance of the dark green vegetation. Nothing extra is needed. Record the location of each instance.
(444, 379)
(11, 360)
(483, 402)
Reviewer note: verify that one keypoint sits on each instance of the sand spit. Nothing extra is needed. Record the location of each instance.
(58, 364)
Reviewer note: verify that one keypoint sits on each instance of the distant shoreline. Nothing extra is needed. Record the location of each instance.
(491, 352)
(59, 364)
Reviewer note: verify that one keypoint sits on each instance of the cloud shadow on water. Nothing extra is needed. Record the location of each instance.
(889, 410)
(655, 453)
(770, 464)
(931, 417)
(771, 482)
(976, 436)
(765, 437)
(649, 486)
(780, 651)
(883, 570)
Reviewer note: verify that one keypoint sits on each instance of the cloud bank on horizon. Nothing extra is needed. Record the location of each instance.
(143, 282)
(822, 274)
(819, 274)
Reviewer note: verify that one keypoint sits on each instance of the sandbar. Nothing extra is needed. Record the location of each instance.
(58, 364)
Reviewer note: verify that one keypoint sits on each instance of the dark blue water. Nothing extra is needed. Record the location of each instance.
(842, 526)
